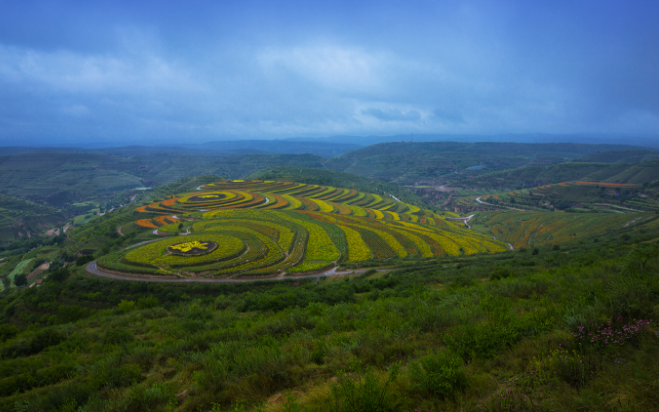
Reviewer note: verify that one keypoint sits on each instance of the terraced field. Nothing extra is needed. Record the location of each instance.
(523, 229)
(577, 197)
(271, 227)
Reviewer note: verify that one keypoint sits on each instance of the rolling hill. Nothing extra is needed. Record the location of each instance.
(523, 229)
(22, 218)
(406, 163)
(81, 176)
(624, 173)
(620, 156)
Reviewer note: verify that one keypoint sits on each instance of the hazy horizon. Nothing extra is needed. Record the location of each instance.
(362, 141)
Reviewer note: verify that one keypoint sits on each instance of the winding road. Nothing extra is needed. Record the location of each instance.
(478, 199)
(464, 219)
(95, 270)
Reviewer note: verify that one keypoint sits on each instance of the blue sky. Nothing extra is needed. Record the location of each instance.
(149, 72)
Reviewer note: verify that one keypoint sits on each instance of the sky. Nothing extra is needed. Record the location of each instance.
(152, 72)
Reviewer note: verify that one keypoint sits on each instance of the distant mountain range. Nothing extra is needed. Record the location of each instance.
(331, 145)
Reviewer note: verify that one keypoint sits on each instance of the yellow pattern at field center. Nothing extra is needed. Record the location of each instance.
(188, 246)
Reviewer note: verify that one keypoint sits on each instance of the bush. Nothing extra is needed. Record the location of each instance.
(59, 275)
(116, 377)
(126, 306)
(482, 341)
(38, 342)
(500, 273)
(7, 332)
(115, 336)
(20, 280)
(72, 313)
(143, 399)
(364, 395)
(147, 302)
(439, 375)
(83, 260)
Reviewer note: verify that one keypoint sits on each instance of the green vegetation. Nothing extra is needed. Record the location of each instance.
(226, 309)
(22, 218)
(624, 173)
(409, 163)
(523, 229)
(55, 177)
(518, 330)
(620, 156)
(571, 197)
(337, 179)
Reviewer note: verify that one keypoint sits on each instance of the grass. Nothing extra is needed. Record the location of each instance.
(479, 331)
(430, 335)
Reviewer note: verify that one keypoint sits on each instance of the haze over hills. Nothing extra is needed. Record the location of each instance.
(219, 148)
(333, 143)
(406, 163)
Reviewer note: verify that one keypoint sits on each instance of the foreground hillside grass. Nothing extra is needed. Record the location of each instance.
(509, 331)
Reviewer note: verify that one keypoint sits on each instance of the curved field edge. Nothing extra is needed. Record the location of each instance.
(523, 229)
(289, 227)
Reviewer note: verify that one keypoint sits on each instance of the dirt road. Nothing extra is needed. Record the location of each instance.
(464, 219)
(478, 199)
(95, 270)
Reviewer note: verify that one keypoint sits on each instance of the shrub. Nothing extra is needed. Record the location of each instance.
(439, 374)
(83, 260)
(20, 280)
(38, 342)
(481, 341)
(370, 394)
(59, 275)
(500, 273)
(147, 302)
(115, 336)
(7, 332)
(106, 376)
(72, 313)
(141, 398)
(126, 306)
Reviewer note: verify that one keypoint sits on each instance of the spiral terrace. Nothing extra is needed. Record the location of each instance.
(270, 228)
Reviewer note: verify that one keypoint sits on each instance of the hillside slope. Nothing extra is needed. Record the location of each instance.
(337, 179)
(625, 173)
(64, 177)
(22, 218)
(620, 156)
(406, 163)
(523, 229)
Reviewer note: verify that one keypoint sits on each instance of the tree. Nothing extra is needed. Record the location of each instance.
(20, 280)
(6, 282)
(59, 275)
(83, 260)
(638, 257)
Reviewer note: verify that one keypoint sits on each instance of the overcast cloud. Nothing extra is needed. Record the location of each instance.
(198, 71)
